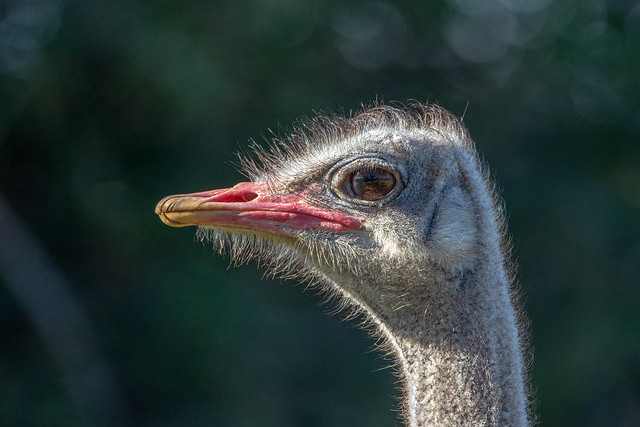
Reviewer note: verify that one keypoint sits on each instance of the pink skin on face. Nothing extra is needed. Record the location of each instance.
(247, 205)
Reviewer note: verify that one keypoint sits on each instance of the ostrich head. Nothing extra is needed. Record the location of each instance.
(369, 202)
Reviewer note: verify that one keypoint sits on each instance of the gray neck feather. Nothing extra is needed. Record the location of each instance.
(457, 351)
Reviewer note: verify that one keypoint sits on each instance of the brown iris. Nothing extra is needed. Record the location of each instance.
(371, 184)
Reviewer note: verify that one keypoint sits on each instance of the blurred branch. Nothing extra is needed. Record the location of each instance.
(46, 297)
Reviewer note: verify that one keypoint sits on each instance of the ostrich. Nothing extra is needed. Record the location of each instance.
(391, 212)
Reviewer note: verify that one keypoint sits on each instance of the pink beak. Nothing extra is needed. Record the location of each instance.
(247, 205)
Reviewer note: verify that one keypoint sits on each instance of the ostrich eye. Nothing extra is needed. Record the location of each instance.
(371, 184)
(367, 180)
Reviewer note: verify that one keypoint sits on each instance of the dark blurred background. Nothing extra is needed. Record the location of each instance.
(108, 317)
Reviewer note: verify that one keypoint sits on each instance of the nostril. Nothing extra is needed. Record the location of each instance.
(249, 196)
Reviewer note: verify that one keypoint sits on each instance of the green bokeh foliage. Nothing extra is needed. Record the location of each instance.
(107, 106)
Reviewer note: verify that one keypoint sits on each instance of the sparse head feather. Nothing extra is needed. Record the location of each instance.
(323, 132)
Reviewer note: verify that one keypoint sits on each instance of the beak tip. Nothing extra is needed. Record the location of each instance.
(162, 208)
(160, 205)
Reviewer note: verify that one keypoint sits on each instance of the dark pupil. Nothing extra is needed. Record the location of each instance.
(372, 184)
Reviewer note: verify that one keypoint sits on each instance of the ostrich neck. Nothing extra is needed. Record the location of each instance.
(458, 352)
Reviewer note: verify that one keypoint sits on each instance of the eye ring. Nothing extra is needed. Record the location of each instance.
(367, 181)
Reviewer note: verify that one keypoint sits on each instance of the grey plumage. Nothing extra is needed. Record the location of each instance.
(425, 262)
